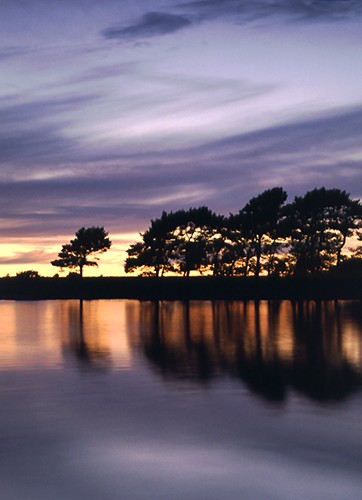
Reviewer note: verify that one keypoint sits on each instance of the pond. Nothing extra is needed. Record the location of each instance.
(121, 399)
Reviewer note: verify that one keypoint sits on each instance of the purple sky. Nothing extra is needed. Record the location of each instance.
(114, 111)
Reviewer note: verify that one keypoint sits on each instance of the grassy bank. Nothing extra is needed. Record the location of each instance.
(326, 286)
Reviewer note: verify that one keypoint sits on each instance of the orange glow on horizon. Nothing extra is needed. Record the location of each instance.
(23, 254)
(35, 253)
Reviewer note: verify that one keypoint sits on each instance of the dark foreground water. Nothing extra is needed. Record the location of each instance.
(202, 400)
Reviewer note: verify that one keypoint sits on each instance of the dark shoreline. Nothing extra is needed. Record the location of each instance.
(325, 286)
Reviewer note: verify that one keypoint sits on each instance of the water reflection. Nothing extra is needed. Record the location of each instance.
(86, 413)
(52, 334)
(85, 343)
(313, 347)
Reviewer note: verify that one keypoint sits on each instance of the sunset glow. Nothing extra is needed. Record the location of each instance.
(122, 110)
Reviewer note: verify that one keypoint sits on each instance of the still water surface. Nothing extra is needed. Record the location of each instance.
(133, 400)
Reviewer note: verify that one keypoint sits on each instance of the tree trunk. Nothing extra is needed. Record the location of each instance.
(339, 252)
(258, 256)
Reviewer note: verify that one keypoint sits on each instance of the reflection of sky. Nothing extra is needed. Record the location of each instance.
(69, 429)
(48, 334)
(116, 112)
(193, 342)
(68, 435)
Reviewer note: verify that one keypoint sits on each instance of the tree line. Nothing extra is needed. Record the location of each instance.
(267, 236)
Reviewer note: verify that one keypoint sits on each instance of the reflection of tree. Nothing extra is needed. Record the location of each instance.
(186, 356)
(319, 368)
(269, 345)
(263, 374)
(83, 339)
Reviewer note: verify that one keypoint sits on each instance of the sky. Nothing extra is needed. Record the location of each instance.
(113, 111)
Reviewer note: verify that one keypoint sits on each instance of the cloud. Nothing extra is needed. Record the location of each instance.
(123, 192)
(191, 13)
(323, 151)
(101, 72)
(11, 52)
(298, 10)
(328, 131)
(37, 256)
(149, 25)
(31, 133)
(43, 145)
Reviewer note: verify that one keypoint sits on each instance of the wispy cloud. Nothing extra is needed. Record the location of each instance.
(124, 192)
(192, 13)
(10, 52)
(328, 131)
(34, 131)
(244, 10)
(37, 256)
(149, 25)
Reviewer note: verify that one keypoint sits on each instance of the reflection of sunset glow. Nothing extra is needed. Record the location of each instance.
(252, 340)
(35, 335)
(352, 347)
(102, 327)
(313, 345)
(29, 335)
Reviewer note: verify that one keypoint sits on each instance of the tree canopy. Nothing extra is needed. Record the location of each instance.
(30, 274)
(88, 241)
(178, 242)
(267, 235)
(319, 223)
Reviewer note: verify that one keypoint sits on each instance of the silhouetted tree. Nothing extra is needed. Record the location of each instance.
(307, 235)
(176, 242)
(257, 224)
(153, 254)
(346, 219)
(28, 274)
(319, 224)
(357, 251)
(195, 233)
(222, 253)
(88, 241)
